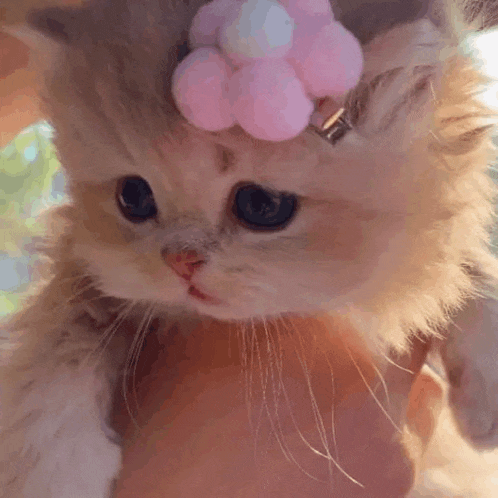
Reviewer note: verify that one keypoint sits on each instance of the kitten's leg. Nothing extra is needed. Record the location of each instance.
(56, 395)
(470, 355)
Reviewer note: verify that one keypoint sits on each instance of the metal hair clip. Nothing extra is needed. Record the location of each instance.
(335, 127)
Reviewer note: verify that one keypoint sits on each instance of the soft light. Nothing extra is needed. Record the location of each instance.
(484, 50)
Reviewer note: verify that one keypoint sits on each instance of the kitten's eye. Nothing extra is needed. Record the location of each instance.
(135, 199)
(259, 209)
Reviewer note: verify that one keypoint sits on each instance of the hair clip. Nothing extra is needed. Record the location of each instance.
(335, 127)
(262, 64)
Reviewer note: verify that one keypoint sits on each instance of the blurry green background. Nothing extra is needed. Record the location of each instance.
(30, 181)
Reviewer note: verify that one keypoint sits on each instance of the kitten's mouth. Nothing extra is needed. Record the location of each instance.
(195, 292)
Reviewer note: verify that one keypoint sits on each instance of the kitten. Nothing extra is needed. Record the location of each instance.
(388, 227)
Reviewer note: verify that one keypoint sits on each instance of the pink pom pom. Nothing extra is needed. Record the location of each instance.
(270, 102)
(206, 23)
(332, 64)
(200, 89)
(296, 8)
(302, 53)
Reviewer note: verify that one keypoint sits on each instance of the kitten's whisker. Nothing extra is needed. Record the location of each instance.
(316, 411)
(272, 352)
(255, 350)
(275, 422)
(370, 390)
(241, 336)
(328, 455)
(109, 332)
(293, 418)
(384, 385)
(392, 362)
(128, 362)
(332, 409)
(142, 334)
(73, 295)
(278, 433)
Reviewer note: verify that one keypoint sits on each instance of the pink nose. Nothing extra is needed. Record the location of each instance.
(184, 263)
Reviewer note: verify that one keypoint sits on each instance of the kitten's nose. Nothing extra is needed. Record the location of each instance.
(184, 263)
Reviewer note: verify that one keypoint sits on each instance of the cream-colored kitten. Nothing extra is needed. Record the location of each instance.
(388, 226)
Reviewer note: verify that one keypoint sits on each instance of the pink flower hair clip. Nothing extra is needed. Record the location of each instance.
(262, 64)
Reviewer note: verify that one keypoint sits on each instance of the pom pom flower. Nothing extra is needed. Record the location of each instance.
(262, 64)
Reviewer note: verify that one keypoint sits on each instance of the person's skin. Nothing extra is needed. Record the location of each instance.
(196, 439)
(19, 103)
(18, 98)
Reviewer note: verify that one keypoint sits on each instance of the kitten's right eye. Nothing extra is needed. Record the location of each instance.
(135, 199)
(260, 209)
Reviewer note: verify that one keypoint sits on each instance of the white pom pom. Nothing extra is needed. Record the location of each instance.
(256, 29)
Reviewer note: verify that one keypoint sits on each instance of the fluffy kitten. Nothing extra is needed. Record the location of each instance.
(388, 227)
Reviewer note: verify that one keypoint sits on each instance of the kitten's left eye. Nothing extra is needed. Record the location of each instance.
(260, 209)
(135, 199)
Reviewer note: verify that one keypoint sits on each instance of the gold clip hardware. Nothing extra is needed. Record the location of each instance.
(335, 127)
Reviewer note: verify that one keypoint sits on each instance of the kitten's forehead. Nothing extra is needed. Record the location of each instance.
(232, 156)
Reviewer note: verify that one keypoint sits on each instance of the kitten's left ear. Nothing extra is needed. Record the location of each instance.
(42, 29)
(62, 25)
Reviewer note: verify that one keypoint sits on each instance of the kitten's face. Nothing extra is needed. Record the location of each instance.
(353, 208)
(347, 204)
(322, 246)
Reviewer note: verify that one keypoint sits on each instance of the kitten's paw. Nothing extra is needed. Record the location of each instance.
(470, 355)
(475, 406)
(55, 442)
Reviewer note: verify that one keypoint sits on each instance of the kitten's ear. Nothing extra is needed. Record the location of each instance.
(34, 20)
(59, 24)
(367, 18)
(42, 29)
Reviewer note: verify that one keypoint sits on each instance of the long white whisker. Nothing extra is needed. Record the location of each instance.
(143, 335)
(384, 385)
(389, 360)
(108, 334)
(277, 431)
(327, 456)
(129, 361)
(370, 390)
(332, 409)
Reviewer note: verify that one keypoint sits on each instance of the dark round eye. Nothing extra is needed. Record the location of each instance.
(260, 209)
(135, 199)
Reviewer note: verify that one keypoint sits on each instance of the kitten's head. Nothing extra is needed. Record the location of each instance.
(234, 228)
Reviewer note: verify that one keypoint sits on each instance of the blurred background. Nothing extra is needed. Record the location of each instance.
(30, 181)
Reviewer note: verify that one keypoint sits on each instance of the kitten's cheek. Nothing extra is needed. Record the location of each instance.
(343, 241)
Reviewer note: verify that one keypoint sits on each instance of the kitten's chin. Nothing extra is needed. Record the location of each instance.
(222, 310)
(226, 312)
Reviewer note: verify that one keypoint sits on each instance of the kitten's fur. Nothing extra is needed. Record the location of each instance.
(392, 229)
